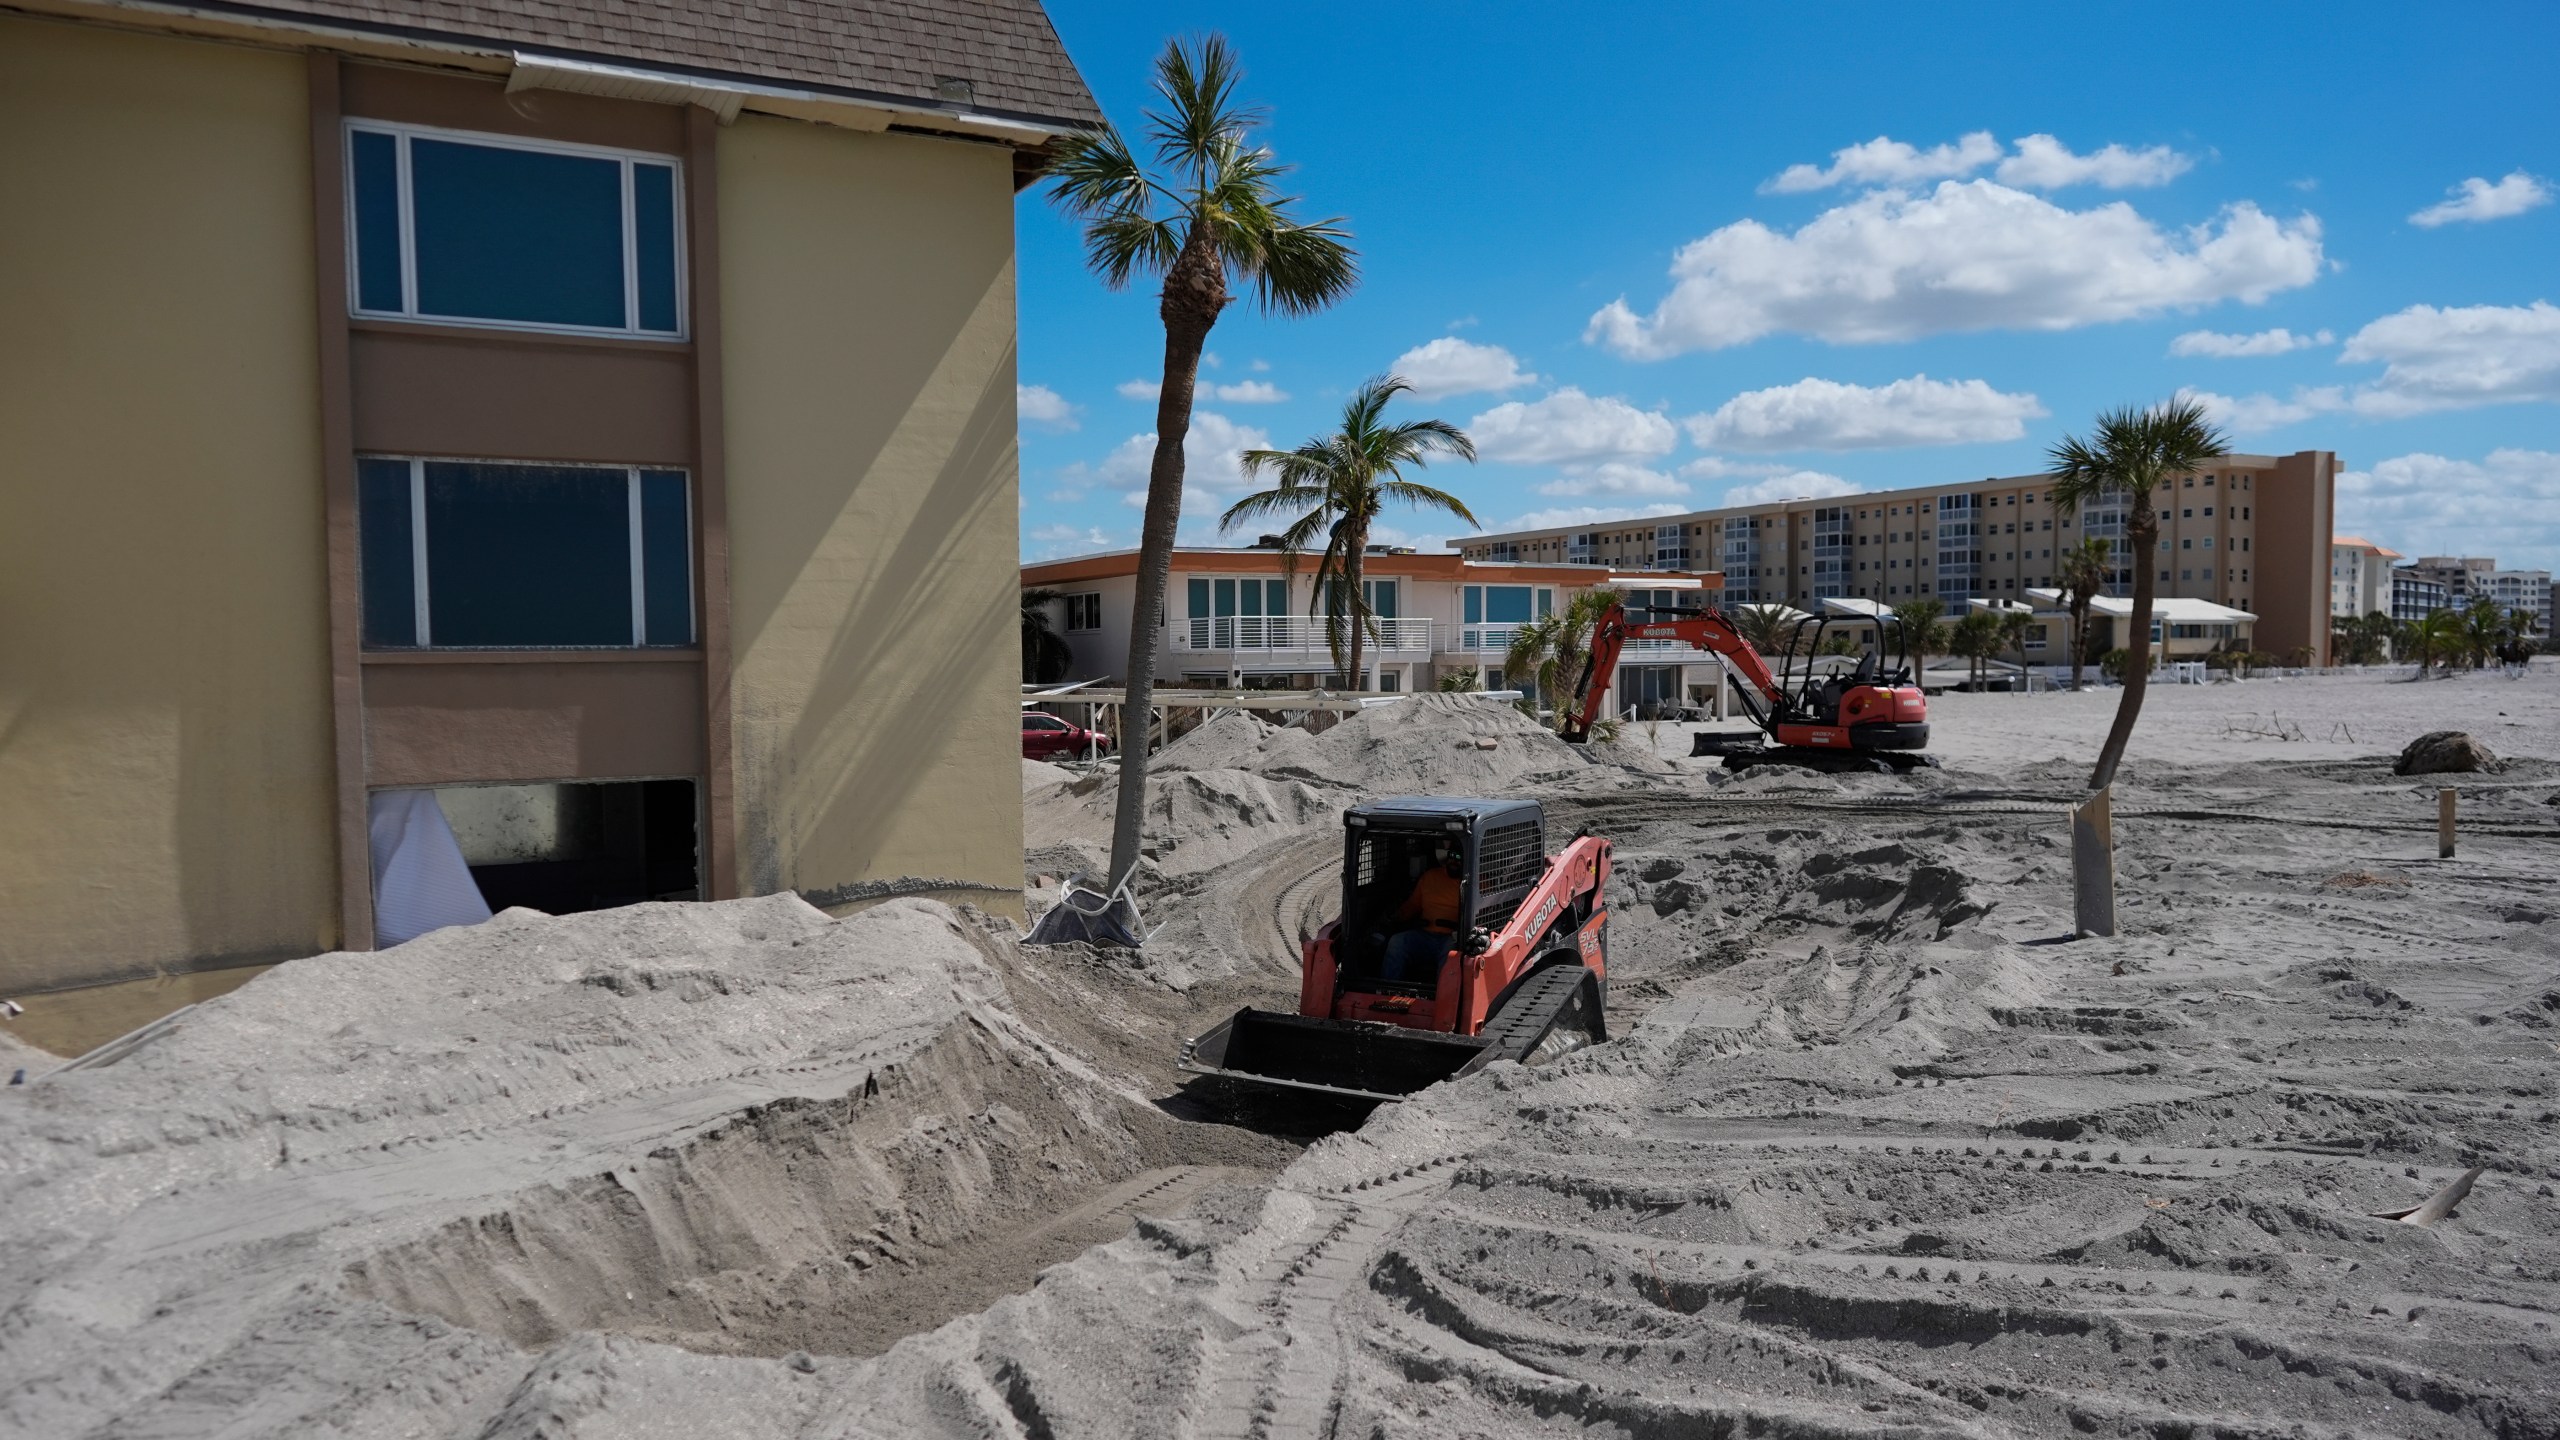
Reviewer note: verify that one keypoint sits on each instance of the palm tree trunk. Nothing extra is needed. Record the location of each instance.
(1194, 293)
(2137, 646)
(1356, 543)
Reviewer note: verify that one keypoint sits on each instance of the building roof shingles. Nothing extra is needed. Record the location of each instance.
(1006, 49)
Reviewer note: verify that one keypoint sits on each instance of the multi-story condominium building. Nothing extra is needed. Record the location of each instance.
(1238, 618)
(602, 422)
(2466, 578)
(2359, 577)
(2251, 533)
(2526, 590)
(2416, 595)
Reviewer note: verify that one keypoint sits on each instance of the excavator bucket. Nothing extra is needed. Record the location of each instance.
(1554, 1012)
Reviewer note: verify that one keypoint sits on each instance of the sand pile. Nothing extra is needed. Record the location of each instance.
(740, 1127)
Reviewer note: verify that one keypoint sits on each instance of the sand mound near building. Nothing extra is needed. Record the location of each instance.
(739, 1127)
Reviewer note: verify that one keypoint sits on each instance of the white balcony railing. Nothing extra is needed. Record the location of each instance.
(1294, 633)
(1496, 640)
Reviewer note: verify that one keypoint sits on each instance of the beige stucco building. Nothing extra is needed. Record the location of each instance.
(610, 432)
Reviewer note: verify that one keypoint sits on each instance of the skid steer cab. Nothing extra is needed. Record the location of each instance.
(1461, 942)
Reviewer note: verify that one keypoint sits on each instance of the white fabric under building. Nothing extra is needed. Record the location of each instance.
(420, 882)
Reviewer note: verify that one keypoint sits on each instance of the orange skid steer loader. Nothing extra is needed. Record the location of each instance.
(1390, 1002)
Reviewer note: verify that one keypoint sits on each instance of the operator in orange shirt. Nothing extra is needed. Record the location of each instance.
(1428, 919)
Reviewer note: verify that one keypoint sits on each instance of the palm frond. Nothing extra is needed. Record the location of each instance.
(1119, 246)
(1093, 173)
(1198, 84)
(1300, 269)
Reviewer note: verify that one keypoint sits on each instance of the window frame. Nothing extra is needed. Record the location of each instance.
(640, 644)
(402, 132)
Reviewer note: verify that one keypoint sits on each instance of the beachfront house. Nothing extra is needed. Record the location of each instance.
(600, 424)
(1239, 618)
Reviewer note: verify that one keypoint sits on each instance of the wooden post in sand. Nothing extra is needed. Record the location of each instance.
(2093, 867)
(2444, 824)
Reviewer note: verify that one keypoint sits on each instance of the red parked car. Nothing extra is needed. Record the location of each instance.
(1046, 737)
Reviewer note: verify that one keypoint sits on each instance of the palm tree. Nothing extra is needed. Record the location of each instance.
(1548, 651)
(2375, 632)
(1334, 487)
(2484, 630)
(1923, 632)
(2436, 635)
(1045, 655)
(2084, 570)
(1210, 214)
(1976, 637)
(2132, 453)
(1767, 627)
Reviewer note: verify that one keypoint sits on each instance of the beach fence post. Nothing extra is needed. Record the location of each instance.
(2093, 867)
(2444, 823)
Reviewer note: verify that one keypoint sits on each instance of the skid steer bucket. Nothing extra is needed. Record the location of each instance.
(1555, 1012)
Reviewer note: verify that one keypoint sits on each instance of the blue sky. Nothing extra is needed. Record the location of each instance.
(1658, 257)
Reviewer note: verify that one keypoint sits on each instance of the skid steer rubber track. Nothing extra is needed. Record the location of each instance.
(1554, 1012)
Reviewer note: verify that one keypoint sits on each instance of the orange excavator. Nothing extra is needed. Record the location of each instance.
(1870, 718)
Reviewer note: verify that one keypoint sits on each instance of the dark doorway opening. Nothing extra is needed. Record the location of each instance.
(579, 846)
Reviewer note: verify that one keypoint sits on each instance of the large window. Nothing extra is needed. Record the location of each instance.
(468, 555)
(487, 230)
(1499, 609)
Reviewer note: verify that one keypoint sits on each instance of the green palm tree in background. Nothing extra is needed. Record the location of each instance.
(2083, 572)
(1334, 487)
(1045, 656)
(1208, 217)
(2133, 452)
(1976, 638)
(1769, 628)
(1924, 633)
(1548, 652)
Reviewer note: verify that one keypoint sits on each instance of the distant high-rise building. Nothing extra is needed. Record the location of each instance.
(2251, 532)
(2359, 577)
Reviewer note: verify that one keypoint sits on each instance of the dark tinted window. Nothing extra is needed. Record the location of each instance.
(653, 240)
(507, 234)
(376, 183)
(523, 555)
(387, 561)
(666, 556)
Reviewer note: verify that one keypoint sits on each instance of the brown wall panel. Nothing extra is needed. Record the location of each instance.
(425, 391)
(472, 102)
(514, 720)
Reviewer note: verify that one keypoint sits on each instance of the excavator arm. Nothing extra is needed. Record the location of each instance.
(1704, 629)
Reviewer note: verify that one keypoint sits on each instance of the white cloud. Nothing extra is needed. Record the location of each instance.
(1211, 474)
(1259, 367)
(1886, 161)
(2253, 414)
(2476, 200)
(1243, 392)
(2507, 506)
(1717, 467)
(2265, 342)
(2040, 162)
(1587, 515)
(2044, 163)
(1052, 541)
(1817, 414)
(1613, 477)
(1568, 427)
(1451, 366)
(1793, 485)
(2458, 357)
(1968, 255)
(1044, 407)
